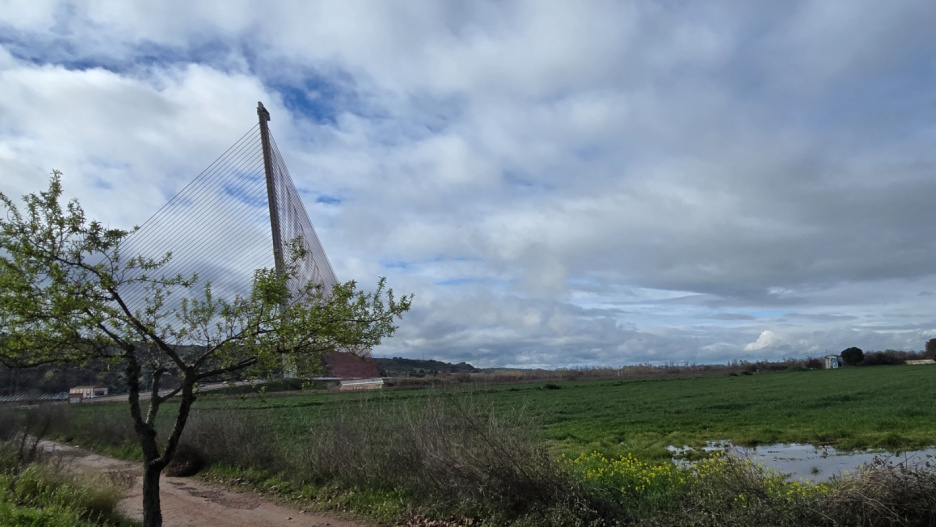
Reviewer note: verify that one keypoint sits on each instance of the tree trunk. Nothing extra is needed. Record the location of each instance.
(152, 514)
(153, 465)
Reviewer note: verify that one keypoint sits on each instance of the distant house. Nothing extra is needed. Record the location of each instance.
(362, 384)
(921, 362)
(79, 393)
(353, 372)
(831, 362)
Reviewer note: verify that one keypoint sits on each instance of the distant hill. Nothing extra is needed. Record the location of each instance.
(400, 367)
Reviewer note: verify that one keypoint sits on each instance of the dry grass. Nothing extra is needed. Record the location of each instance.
(740, 493)
(883, 494)
(448, 452)
(23, 430)
(42, 493)
(233, 437)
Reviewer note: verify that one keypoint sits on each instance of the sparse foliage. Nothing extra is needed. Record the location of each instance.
(63, 299)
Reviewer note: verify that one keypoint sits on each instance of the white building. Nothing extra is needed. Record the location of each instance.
(831, 362)
(87, 392)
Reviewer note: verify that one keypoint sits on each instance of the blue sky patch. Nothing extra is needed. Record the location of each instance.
(328, 200)
(317, 97)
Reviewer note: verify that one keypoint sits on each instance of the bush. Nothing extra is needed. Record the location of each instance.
(889, 357)
(731, 491)
(186, 462)
(23, 430)
(930, 350)
(639, 488)
(104, 427)
(449, 453)
(232, 437)
(813, 363)
(853, 356)
(884, 494)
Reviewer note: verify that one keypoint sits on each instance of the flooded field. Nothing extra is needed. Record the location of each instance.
(808, 462)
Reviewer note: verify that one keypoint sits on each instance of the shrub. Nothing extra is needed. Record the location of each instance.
(642, 489)
(25, 430)
(813, 363)
(449, 453)
(853, 356)
(186, 462)
(884, 494)
(889, 357)
(731, 491)
(234, 437)
(930, 350)
(103, 427)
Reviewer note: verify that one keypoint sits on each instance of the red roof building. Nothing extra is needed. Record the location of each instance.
(348, 366)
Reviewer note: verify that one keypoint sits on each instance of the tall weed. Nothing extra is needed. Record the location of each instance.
(234, 437)
(731, 491)
(9, 424)
(24, 429)
(446, 451)
(103, 427)
(38, 494)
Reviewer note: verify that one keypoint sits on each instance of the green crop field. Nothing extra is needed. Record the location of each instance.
(445, 452)
(881, 407)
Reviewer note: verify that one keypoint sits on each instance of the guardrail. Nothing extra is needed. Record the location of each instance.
(63, 396)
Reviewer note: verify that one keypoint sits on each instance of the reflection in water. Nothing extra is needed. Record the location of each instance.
(808, 462)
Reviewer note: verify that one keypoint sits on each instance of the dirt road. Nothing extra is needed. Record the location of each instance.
(188, 502)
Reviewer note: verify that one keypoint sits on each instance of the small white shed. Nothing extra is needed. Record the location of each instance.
(831, 362)
(88, 392)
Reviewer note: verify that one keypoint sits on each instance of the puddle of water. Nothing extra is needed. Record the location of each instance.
(807, 462)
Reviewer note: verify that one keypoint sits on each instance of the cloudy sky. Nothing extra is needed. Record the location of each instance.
(568, 183)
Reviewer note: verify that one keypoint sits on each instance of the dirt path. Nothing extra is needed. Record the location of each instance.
(188, 502)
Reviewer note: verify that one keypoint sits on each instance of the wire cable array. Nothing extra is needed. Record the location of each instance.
(218, 228)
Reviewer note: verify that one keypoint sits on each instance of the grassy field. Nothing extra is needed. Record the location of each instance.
(478, 451)
(881, 407)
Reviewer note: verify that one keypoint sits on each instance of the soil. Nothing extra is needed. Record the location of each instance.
(187, 502)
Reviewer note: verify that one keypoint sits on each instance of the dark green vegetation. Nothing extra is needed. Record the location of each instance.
(853, 356)
(528, 454)
(400, 367)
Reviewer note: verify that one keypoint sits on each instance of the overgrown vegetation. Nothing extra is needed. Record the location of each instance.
(485, 455)
(33, 493)
(449, 459)
(442, 457)
(449, 452)
(734, 491)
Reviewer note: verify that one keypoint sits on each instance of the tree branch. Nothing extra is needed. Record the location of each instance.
(246, 363)
(140, 327)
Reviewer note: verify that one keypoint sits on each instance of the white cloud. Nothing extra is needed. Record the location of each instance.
(125, 143)
(765, 340)
(588, 183)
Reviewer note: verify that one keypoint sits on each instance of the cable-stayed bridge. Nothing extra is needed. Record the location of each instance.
(237, 216)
